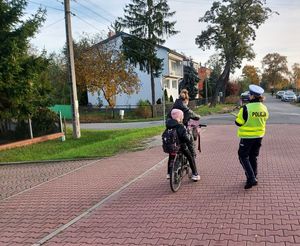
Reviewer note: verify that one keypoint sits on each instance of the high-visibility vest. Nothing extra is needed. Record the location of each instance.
(255, 126)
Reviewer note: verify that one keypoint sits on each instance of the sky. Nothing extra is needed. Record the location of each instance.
(280, 33)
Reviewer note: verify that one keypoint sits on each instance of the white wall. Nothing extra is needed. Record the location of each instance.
(145, 92)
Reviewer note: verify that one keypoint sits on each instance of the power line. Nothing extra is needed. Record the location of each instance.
(133, 36)
(62, 3)
(96, 5)
(88, 23)
(189, 2)
(92, 11)
(86, 15)
(44, 5)
(76, 15)
(45, 27)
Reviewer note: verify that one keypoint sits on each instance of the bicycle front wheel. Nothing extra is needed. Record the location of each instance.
(176, 174)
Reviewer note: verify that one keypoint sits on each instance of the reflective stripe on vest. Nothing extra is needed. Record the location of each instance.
(255, 126)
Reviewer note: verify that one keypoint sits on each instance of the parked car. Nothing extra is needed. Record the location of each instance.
(245, 96)
(289, 96)
(279, 94)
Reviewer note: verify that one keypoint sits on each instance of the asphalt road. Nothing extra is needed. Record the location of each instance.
(280, 113)
(107, 126)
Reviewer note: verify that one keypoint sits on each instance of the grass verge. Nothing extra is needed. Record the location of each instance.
(95, 143)
(219, 109)
(91, 144)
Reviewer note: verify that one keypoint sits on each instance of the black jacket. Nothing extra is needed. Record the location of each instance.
(182, 133)
(187, 112)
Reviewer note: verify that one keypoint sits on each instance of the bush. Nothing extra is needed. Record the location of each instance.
(44, 122)
(144, 109)
(232, 89)
(22, 130)
(166, 95)
(232, 99)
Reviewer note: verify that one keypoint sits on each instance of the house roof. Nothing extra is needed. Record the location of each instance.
(118, 34)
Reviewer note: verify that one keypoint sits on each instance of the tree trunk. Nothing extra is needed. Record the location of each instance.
(221, 83)
(224, 87)
(152, 90)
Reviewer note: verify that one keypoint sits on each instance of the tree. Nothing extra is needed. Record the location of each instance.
(212, 81)
(147, 22)
(275, 70)
(166, 97)
(59, 79)
(40, 90)
(296, 75)
(190, 81)
(232, 89)
(214, 63)
(244, 83)
(103, 67)
(251, 73)
(116, 27)
(231, 29)
(23, 84)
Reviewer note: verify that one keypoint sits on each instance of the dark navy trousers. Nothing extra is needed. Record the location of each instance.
(248, 153)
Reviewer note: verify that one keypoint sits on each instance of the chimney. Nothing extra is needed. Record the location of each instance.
(110, 34)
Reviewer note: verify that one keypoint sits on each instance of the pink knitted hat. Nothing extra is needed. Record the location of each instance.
(177, 114)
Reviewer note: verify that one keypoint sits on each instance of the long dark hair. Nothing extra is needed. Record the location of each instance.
(184, 94)
(258, 98)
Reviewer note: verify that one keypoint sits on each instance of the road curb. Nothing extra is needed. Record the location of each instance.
(50, 161)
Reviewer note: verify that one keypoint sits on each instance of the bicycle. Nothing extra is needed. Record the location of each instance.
(179, 167)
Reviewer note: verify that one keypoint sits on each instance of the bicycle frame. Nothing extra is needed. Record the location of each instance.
(179, 163)
(179, 168)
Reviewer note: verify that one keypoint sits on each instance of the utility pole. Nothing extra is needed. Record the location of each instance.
(72, 77)
(206, 98)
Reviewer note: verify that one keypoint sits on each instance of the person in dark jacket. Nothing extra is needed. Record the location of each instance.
(182, 104)
(176, 121)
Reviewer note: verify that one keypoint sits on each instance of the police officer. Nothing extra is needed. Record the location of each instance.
(251, 120)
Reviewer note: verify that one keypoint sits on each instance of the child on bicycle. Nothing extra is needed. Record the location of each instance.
(188, 114)
(176, 121)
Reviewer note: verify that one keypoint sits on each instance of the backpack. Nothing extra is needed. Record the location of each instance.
(170, 141)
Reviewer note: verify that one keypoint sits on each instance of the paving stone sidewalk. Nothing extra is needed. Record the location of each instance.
(216, 211)
(17, 178)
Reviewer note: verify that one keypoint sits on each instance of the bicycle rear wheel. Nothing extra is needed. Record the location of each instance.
(176, 173)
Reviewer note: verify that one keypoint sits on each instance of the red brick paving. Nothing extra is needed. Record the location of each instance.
(216, 211)
(17, 178)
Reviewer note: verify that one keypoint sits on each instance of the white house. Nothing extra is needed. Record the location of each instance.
(172, 71)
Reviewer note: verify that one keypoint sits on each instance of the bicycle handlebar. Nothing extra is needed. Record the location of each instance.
(202, 125)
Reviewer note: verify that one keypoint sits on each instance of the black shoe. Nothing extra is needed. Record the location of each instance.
(250, 183)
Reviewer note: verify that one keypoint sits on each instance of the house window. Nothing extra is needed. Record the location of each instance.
(176, 68)
(166, 83)
(174, 84)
